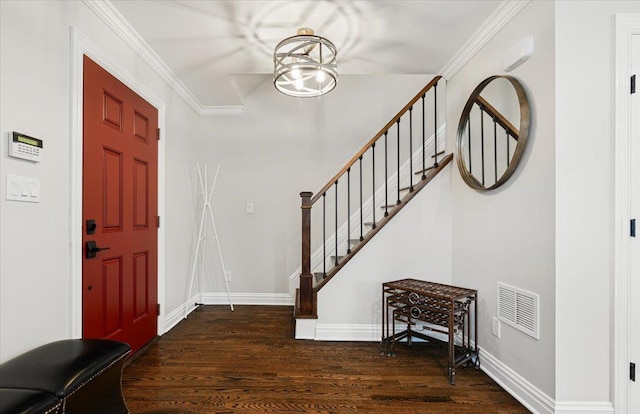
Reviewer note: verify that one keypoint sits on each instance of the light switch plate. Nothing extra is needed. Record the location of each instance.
(23, 189)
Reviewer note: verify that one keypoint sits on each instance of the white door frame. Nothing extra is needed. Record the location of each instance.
(80, 46)
(626, 25)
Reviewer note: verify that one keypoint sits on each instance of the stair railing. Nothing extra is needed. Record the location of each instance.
(305, 307)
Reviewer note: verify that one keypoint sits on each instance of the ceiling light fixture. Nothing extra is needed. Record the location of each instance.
(305, 65)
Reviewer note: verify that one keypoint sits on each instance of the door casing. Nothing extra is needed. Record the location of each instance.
(80, 46)
(626, 25)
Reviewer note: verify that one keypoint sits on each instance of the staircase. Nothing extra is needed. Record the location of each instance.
(403, 157)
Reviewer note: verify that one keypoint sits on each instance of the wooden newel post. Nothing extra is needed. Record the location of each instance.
(306, 278)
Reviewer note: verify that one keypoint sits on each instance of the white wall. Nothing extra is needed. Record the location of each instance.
(35, 59)
(279, 147)
(584, 191)
(507, 235)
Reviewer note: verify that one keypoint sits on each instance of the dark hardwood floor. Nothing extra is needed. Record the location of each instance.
(247, 361)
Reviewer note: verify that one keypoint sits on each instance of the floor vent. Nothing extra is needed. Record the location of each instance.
(519, 308)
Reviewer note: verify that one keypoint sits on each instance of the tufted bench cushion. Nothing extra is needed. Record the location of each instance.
(84, 374)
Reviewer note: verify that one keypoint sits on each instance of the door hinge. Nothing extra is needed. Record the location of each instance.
(158, 309)
(633, 84)
(158, 134)
(632, 229)
(632, 371)
(158, 221)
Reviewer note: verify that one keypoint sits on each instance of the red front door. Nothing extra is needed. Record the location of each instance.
(120, 190)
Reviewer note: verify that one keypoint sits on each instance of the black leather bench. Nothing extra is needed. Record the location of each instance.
(20, 401)
(68, 376)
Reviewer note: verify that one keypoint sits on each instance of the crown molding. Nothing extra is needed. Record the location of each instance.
(123, 29)
(506, 11)
(221, 110)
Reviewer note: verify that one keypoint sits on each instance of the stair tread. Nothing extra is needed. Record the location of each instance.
(391, 205)
(425, 170)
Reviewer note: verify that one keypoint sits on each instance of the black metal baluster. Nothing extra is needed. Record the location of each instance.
(386, 181)
(469, 140)
(348, 210)
(361, 212)
(373, 173)
(410, 149)
(336, 251)
(324, 234)
(495, 150)
(398, 153)
(424, 121)
(435, 123)
(508, 149)
(482, 140)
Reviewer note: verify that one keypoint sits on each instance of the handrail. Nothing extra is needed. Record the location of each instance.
(375, 138)
(497, 115)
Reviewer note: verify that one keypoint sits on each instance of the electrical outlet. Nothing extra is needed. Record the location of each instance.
(496, 327)
(227, 275)
(249, 208)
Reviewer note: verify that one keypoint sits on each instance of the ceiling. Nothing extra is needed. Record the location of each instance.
(222, 49)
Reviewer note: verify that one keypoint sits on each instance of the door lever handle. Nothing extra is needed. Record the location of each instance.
(92, 249)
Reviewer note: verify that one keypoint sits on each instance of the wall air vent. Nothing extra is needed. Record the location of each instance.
(519, 308)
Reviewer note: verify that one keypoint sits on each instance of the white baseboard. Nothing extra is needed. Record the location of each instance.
(584, 407)
(347, 332)
(522, 390)
(177, 315)
(221, 298)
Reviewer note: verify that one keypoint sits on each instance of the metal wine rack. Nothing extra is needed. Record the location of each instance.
(438, 308)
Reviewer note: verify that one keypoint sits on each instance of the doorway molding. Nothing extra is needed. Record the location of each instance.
(626, 25)
(81, 45)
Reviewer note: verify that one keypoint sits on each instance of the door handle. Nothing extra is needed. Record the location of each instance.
(92, 249)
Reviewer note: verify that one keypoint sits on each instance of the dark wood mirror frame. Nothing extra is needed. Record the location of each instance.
(521, 134)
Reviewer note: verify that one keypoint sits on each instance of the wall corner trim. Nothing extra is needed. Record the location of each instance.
(503, 14)
(114, 20)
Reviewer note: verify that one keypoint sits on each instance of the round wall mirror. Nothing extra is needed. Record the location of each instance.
(492, 132)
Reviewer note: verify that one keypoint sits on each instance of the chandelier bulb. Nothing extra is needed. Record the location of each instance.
(320, 77)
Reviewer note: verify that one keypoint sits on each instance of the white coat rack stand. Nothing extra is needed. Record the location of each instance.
(202, 233)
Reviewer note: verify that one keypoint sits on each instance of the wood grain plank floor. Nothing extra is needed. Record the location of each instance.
(247, 361)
